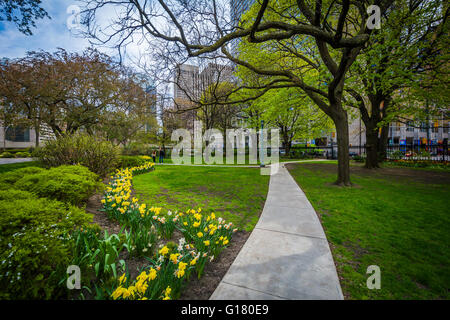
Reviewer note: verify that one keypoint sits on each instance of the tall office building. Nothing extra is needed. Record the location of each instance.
(190, 82)
(215, 73)
(238, 8)
(186, 83)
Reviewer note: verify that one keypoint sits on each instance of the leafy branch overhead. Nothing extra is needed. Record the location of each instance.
(23, 13)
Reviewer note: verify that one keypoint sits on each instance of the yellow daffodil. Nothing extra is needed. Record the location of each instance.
(152, 274)
(118, 292)
(164, 250)
(174, 257)
(122, 279)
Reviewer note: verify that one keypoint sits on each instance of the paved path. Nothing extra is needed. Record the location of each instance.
(287, 255)
(14, 160)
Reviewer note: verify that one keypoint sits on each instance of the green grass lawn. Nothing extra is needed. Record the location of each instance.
(235, 194)
(13, 166)
(396, 218)
(247, 162)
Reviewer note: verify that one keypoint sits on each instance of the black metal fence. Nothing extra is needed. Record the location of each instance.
(439, 153)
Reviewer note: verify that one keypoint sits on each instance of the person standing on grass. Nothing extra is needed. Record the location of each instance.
(154, 156)
(161, 155)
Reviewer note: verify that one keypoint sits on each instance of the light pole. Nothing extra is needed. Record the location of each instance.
(261, 146)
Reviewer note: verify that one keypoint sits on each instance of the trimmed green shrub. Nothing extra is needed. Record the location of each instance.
(135, 149)
(358, 158)
(99, 156)
(72, 184)
(4, 168)
(22, 155)
(6, 154)
(33, 251)
(397, 155)
(15, 195)
(9, 178)
(419, 164)
(131, 161)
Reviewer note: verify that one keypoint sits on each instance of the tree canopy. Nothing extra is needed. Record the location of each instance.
(23, 13)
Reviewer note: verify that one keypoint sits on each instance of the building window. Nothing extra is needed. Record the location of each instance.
(410, 126)
(423, 127)
(18, 134)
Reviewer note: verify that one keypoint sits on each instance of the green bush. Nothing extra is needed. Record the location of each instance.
(131, 161)
(13, 194)
(419, 164)
(99, 156)
(397, 155)
(358, 158)
(9, 178)
(33, 251)
(6, 154)
(22, 155)
(135, 149)
(72, 184)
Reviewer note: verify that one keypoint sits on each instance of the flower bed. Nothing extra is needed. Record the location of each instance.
(170, 264)
(419, 163)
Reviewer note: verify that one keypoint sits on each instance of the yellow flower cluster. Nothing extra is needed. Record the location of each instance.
(167, 293)
(206, 234)
(138, 290)
(181, 269)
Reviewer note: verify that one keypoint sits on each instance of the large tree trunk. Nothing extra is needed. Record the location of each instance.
(288, 148)
(37, 129)
(286, 141)
(382, 143)
(341, 123)
(4, 136)
(371, 146)
(375, 142)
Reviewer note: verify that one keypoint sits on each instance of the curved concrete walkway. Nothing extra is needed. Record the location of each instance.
(287, 255)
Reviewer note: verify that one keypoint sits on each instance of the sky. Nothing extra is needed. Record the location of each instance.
(54, 33)
(48, 35)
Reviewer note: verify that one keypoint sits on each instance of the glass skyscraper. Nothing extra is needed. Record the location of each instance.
(238, 8)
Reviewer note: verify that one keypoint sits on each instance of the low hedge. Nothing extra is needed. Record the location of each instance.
(34, 254)
(419, 164)
(132, 161)
(72, 184)
(9, 178)
(22, 155)
(6, 154)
